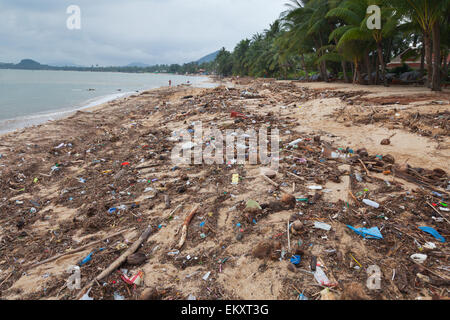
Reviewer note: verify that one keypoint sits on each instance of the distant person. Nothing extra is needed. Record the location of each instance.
(170, 83)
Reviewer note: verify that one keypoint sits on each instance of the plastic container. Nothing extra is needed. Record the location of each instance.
(371, 203)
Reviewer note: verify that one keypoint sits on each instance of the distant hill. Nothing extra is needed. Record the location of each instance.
(209, 58)
(29, 64)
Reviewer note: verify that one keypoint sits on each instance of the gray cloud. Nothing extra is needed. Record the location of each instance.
(119, 32)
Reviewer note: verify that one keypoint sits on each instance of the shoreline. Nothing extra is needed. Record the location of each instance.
(44, 117)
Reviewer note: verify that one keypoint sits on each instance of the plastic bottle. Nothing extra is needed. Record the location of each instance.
(371, 203)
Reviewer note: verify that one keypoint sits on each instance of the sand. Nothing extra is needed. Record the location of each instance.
(135, 130)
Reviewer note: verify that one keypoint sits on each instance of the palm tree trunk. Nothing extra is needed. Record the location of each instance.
(436, 86)
(304, 64)
(377, 71)
(381, 61)
(422, 62)
(369, 69)
(428, 58)
(344, 70)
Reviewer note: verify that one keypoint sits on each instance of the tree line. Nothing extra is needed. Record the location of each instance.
(332, 39)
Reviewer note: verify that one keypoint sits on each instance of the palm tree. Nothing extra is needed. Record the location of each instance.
(425, 13)
(306, 23)
(353, 13)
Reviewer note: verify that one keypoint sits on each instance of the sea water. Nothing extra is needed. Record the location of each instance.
(31, 97)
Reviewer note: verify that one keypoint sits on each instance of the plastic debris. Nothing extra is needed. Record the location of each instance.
(321, 277)
(117, 296)
(206, 276)
(134, 280)
(419, 258)
(295, 260)
(372, 233)
(235, 179)
(295, 142)
(251, 204)
(323, 226)
(429, 245)
(371, 203)
(86, 296)
(433, 232)
(86, 260)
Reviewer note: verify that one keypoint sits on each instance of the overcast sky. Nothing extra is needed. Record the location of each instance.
(118, 32)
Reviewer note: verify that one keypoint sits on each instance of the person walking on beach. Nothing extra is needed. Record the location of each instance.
(170, 83)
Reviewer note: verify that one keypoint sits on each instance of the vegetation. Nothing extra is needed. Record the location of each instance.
(187, 68)
(330, 39)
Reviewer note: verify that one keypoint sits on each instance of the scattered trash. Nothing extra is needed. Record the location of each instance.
(433, 232)
(371, 203)
(321, 225)
(206, 276)
(419, 258)
(295, 142)
(134, 280)
(117, 296)
(321, 277)
(372, 233)
(295, 260)
(86, 296)
(429, 245)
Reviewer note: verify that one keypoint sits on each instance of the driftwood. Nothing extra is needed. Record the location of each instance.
(173, 211)
(116, 264)
(79, 249)
(275, 184)
(186, 223)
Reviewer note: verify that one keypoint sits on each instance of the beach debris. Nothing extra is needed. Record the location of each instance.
(117, 296)
(296, 259)
(430, 245)
(206, 276)
(419, 258)
(372, 233)
(136, 259)
(185, 226)
(321, 277)
(296, 227)
(137, 279)
(322, 226)
(371, 203)
(117, 263)
(86, 296)
(433, 232)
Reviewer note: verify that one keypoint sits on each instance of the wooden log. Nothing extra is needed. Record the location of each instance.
(116, 264)
(186, 223)
(77, 250)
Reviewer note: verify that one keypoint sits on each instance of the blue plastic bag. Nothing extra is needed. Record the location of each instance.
(372, 233)
(433, 232)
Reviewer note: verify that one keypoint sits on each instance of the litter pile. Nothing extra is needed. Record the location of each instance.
(98, 193)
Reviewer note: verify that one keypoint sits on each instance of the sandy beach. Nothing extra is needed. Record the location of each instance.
(59, 180)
